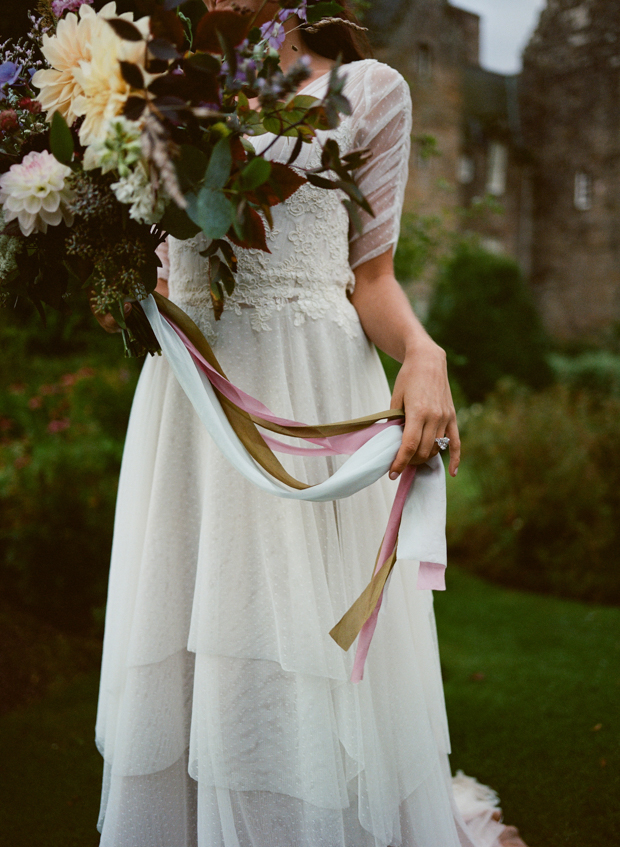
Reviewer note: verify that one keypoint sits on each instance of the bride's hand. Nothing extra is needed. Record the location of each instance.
(423, 391)
(106, 320)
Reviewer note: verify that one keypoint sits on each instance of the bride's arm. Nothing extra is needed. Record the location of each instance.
(422, 388)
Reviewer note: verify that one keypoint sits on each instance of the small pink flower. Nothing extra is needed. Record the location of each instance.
(35, 402)
(58, 426)
(48, 389)
(30, 105)
(59, 7)
(68, 379)
(8, 120)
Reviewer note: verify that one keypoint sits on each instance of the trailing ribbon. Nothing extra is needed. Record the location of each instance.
(245, 414)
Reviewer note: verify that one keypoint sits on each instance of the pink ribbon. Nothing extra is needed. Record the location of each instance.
(430, 575)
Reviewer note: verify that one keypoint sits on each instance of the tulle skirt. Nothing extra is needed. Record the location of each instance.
(226, 716)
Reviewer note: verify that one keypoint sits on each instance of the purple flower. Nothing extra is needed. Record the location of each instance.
(59, 7)
(301, 11)
(9, 73)
(274, 33)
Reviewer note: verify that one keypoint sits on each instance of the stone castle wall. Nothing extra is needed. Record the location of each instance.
(570, 110)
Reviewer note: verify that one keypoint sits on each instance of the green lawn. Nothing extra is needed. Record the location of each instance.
(532, 685)
(533, 688)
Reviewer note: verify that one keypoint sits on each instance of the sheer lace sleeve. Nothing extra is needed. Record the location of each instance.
(383, 104)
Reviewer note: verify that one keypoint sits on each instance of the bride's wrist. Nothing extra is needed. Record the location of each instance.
(423, 346)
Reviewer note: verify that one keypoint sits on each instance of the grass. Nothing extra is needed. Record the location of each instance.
(51, 771)
(532, 687)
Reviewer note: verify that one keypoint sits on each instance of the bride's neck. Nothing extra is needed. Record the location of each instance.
(294, 48)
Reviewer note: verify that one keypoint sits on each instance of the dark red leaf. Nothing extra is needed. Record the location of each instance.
(134, 107)
(156, 66)
(284, 180)
(253, 232)
(125, 29)
(238, 150)
(132, 74)
(167, 25)
(231, 26)
(204, 62)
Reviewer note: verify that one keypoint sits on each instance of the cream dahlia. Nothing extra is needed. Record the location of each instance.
(37, 193)
(104, 91)
(68, 51)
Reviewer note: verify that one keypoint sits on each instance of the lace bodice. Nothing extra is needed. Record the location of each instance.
(312, 247)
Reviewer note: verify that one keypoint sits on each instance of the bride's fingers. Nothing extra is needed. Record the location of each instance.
(107, 321)
(418, 443)
(412, 435)
(452, 431)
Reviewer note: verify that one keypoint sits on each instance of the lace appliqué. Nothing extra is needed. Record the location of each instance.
(307, 268)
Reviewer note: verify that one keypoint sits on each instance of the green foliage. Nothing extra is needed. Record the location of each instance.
(483, 315)
(61, 140)
(419, 243)
(62, 427)
(538, 500)
(596, 371)
(531, 688)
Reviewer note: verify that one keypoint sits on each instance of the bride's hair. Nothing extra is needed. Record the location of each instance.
(336, 40)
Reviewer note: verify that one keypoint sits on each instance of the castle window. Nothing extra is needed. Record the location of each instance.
(465, 170)
(497, 167)
(583, 191)
(425, 61)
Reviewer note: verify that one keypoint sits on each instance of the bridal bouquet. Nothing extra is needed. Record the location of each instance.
(115, 132)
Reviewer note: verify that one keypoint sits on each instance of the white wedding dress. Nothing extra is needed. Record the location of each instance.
(226, 715)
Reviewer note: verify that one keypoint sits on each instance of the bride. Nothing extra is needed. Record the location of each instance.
(226, 716)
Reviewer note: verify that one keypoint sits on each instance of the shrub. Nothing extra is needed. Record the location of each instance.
(60, 449)
(483, 315)
(595, 371)
(539, 508)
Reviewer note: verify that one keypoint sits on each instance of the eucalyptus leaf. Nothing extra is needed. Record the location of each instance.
(176, 222)
(211, 210)
(61, 140)
(191, 166)
(219, 166)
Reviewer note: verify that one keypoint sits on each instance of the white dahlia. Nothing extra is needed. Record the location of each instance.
(36, 192)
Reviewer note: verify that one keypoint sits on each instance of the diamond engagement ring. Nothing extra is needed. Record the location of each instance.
(442, 443)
